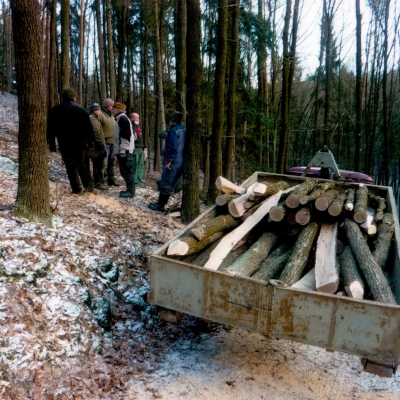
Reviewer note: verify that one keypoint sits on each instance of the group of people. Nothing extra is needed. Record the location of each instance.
(104, 134)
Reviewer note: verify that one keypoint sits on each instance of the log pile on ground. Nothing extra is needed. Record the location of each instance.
(314, 236)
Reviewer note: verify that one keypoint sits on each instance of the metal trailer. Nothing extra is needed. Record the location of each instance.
(365, 328)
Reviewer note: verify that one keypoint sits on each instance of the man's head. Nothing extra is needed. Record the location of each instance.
(95, 109)
(135, 118)
(118, 108)
(108, 104)
(68, 94)
(176, 118)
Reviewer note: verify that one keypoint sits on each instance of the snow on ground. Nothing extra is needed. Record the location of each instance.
(76, 324)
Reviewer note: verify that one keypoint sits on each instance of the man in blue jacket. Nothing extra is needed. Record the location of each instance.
(173, 161)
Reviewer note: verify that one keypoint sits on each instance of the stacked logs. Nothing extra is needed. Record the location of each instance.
(313, 236)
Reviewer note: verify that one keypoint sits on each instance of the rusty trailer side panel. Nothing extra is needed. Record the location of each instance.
(361, 327)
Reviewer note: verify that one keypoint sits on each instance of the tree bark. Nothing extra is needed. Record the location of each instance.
(103, 80)
(187, 245)
(33, 177)
(360, 206)
(273, 265)
(323, 202)
(317, 192)
(385, 234)
(65, 41)
(372, 271)
(293, 201)
(336, 206)
(352, 281)
(217, 224)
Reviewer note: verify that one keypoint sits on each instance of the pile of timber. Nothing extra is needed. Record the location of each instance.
(313, 236)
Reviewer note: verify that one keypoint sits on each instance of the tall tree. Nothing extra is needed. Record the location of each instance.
(103, 80)
(219, 104)
(180, 52)
(52, 83)
(65, 42)
(110, 48)
(191, 181)
(33, 177)
(358, 105)
(231, 97)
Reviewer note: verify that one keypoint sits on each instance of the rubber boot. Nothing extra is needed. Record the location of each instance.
(111, 177)
(130, 191)
(162, 201)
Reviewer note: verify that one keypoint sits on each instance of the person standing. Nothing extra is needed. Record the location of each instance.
(138, 159)
(124, 144)
(70, 124)
(108, 122)
(99, 154)
(173, 162)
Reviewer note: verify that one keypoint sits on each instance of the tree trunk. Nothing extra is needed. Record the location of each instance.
(358, 94)
(219, 92)
(180, 20)
(372, 271)
(110, 47)
(33, 177)
(191, 179)
(65, 42)
(103, 80)
(52, 83)
(231, 96)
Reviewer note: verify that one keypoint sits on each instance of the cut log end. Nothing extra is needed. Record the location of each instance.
(321, 204)
(277, 214)
(329, 288)
(334, 210)
(359, 217)
(292, 201)
(355, 290)
(177, 248)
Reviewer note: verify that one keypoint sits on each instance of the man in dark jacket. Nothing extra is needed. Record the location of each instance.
(70, 124)
(173, 161)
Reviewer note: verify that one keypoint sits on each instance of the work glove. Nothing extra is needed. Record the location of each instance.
(103, 152)
(53, 147)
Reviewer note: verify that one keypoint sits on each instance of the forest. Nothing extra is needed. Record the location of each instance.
(232, 67)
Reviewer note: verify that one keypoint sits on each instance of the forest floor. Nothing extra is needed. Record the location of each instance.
(53, 347)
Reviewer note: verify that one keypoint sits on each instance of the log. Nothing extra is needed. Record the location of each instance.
(349, 203)
(372, 271)
(377, 202)
(217, 224)
(236, 207)
(369, 225)
(352, 280)
(278, 212)
(336, 206)
(225, 198)
(250, 261)
(307, 282)
(293, 201)
(233, 255)
(202, 257)
(291, 218)
(273, 265)
(360, 205)
(326, 268)
(271, 188)
(385, 234)
(230, 240)
(326, 199)
(317, 192)
(303, 216)
(187, 245)
(226, 186)
(298, 260)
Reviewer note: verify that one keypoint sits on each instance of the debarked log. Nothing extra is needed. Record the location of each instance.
(250, 261)
(352, 280)
(307, 282)
(326, 269)
(293, 201)
(226, 186)
(230, 240)
(301, 250)
(217, 224)
(385, 234)
(236, 207)
(187, 245)
(372, 271)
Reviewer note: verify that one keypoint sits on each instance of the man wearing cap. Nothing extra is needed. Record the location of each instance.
(173, 161)
(70, 124)
(108, 122)
(124, 144)
(99, 153)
